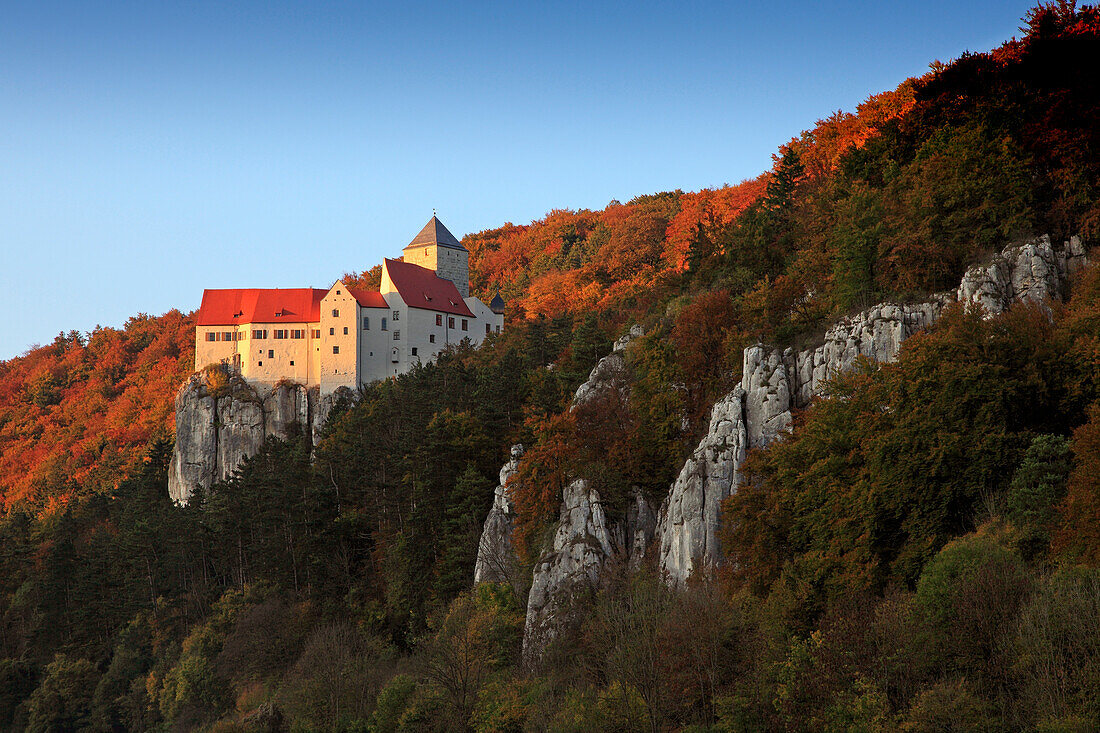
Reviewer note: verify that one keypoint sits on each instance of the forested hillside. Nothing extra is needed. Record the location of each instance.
(920, 552)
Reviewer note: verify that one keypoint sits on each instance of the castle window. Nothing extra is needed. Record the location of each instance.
(332, 332)
(384, 328)
(280, 333)
(259, 334)
(345, 330)
(366, 323)
(336, 349)
(271, 353)
(414, 351)
(498, 329)
(227, 335)
(335, 312)
(465, 325)
(488, 329)
(316, 333)
(438, 319)
(431, 338)
(210, 336)
(297, 333)
(397, 315)
(292, 362)
(337, 292)
(397, 335)
(259, 363)
(450, 323)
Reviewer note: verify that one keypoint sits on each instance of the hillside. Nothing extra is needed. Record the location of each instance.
(918, 551)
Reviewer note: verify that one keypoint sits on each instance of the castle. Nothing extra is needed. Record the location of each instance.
(346, 336)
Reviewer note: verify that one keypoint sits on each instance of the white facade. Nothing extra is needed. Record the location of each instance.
(348, 337)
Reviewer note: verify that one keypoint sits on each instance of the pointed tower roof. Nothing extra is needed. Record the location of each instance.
(435, 233)
(497, 304)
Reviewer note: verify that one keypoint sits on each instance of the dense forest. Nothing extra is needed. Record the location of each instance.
(921, 552)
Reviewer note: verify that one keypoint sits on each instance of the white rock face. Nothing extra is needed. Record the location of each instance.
(774, 381)
(1032, 271)
(766, 380)
(581, 546)
(876, 334)
(218, 427)
(584, 540)
(496, 558)
(687, 524)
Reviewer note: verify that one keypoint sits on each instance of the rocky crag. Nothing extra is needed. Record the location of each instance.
(776, 380)
(585, 541)
(221, 419)
(496, 558)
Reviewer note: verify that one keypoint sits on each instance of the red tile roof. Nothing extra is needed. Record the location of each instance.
(260, 305)
(422, 288)
(368, 298)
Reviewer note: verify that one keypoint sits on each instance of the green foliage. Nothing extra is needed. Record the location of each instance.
(63, 699)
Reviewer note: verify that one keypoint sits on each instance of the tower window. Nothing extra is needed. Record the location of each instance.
(397, 335)
(332, 332)
(336, 349)
(345, 330)
(397, 315)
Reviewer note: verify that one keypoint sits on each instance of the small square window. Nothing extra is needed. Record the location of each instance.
(397, 335)
(210, 336)
(335, 312)
(336, 349)
(259, 363)
(292, 362)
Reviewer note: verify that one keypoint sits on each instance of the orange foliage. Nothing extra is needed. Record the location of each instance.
(1079, 534)
(709, 208)
(82, 411)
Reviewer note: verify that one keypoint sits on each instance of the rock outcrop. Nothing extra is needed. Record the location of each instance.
(687, 528)
(496, 558)
(221, 419)
(585, 541)
(775, 381)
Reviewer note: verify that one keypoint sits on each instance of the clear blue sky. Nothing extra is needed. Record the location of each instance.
(151, 149)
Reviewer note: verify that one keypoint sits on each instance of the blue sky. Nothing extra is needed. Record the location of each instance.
(151, 149)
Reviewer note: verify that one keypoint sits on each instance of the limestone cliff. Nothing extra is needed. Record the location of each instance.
(221, 419)
(585, 540)
(775, 381)
(496, 558)
(687, 527)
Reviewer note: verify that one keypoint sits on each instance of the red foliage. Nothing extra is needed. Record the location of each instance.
(82, 411)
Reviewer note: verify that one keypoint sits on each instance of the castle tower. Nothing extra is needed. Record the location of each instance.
(437, 249)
